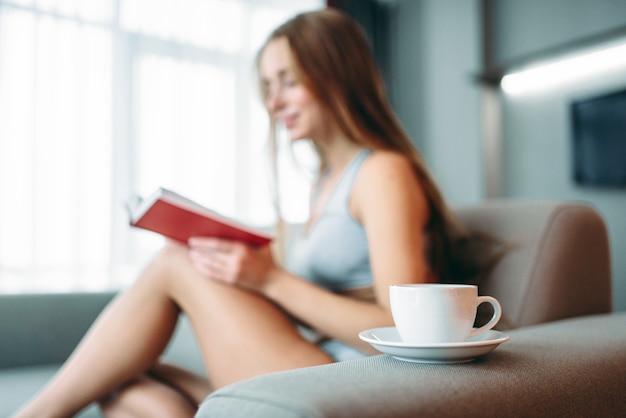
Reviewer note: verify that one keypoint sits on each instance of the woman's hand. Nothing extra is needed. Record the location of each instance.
(232, 262)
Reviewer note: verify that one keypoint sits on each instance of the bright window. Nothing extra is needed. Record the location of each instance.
(103, 98)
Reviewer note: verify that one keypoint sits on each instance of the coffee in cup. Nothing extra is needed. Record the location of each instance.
(439, 313)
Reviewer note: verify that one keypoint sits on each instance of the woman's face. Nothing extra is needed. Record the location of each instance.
(285, 96)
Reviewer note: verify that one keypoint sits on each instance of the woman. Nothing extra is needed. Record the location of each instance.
(377, 219)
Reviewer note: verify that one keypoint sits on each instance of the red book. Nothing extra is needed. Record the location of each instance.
(179, 218)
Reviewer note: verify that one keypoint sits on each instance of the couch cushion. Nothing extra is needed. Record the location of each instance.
(19, 384)
(574, 367)
(39, 331)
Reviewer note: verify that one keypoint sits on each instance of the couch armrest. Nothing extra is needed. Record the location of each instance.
(44, 328)
(574, 367)
(559, 263)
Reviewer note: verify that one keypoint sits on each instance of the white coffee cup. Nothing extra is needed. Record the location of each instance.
(438, 313)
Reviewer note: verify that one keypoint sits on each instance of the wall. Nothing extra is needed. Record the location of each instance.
(433, 60)
(436, 48)
(523, 28)
(536, 128)
(536, 161)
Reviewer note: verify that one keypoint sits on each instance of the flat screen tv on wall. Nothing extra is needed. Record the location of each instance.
(599, 140)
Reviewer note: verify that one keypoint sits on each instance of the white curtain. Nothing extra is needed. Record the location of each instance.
(103, 98)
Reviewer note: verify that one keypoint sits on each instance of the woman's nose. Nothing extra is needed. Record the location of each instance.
(275, 100)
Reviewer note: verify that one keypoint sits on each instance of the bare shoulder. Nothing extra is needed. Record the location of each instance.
(383, 162)
(387, 179)
(383, 169)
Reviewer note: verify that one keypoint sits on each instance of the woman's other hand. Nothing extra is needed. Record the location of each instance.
(232, 262)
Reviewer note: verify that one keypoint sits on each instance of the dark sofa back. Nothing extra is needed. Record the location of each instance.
(34, 328)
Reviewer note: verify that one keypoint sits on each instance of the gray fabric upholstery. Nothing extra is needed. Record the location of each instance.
(559, 263)
(39, 331)
(44, 328)
(575, 367)
(18, 384)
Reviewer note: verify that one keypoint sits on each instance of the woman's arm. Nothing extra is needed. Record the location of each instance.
(387, 199)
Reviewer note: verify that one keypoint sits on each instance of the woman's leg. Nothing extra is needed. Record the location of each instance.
(149, 398)
(191, 385)
(123, 343)
(175, 391)
(165, 390)
(240, 335)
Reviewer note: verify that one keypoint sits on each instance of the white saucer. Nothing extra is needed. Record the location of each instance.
(387, 340)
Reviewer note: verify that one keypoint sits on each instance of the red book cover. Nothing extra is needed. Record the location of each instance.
(179, 218)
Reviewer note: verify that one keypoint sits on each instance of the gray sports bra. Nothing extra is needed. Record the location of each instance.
(334, 252)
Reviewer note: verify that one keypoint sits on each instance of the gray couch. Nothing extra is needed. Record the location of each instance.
(566, 355)
(39, 331)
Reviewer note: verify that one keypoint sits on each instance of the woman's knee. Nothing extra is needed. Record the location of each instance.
(172, 255)
(172, 275)
(171, 263)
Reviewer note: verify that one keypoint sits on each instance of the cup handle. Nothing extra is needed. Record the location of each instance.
(497, 313)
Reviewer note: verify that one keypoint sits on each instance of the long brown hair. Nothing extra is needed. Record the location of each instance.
(332, 58)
